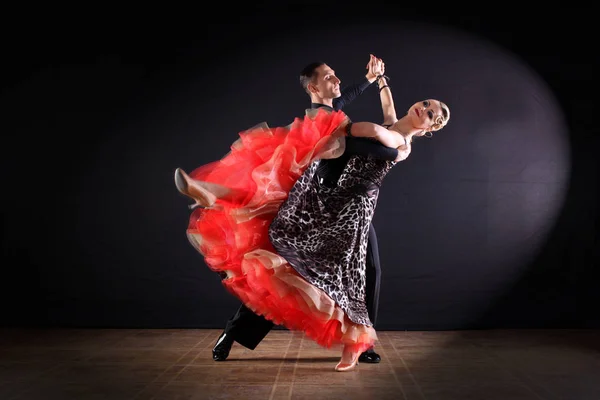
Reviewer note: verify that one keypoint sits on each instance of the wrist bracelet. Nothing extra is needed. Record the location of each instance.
(383, 87)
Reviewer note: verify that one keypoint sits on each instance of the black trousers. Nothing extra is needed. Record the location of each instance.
(249, 329)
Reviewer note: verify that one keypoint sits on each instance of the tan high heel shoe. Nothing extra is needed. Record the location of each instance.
(348, 361)
(191, 188)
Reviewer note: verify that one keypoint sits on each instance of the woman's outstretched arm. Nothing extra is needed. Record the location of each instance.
(368, 129)
(387, 102)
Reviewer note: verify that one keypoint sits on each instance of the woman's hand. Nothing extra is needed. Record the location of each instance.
(376, 67)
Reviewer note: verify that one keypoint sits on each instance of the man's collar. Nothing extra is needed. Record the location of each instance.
(319, 105)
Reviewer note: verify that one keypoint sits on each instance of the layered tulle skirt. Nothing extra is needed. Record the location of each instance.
(255, 178)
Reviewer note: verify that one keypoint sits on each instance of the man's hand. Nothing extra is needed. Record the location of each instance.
(376, 67)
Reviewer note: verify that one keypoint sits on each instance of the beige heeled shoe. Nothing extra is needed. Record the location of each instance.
(345, 365)
(191, 188)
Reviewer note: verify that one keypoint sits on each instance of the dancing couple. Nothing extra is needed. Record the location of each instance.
(285, 217)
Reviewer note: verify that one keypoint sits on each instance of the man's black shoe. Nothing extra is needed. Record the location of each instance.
(222, 347)
(369, 356)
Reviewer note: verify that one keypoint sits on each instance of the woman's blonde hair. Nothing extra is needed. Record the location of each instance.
(441, 120)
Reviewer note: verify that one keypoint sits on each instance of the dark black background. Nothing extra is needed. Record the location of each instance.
(100, 106)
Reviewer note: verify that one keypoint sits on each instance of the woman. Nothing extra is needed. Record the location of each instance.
(289, 247)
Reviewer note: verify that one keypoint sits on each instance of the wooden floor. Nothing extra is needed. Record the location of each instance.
(177, 364)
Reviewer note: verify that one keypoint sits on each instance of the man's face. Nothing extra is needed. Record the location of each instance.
(326, 85)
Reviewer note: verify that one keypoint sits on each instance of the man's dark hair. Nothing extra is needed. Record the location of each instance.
(308, 74)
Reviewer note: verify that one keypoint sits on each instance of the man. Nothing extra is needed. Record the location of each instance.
(323, 87)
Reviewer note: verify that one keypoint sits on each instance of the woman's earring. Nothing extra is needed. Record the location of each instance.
(428, 134)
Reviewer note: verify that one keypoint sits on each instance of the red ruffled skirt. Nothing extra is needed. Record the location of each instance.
(257, 175)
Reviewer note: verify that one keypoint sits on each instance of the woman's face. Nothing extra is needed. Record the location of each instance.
(429, 115)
